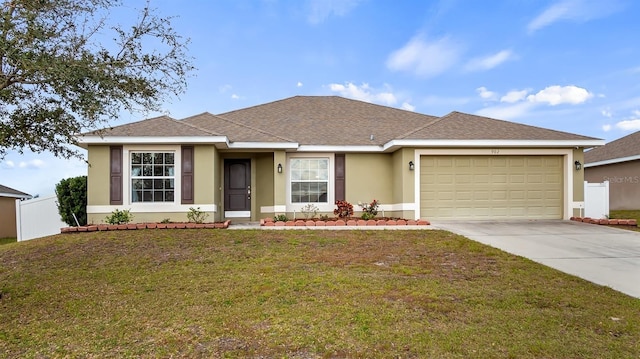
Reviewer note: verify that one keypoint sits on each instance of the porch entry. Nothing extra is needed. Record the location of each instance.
(237, 188)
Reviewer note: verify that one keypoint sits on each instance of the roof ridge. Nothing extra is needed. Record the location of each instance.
(435, 120)
(198, 127)
(242, 124)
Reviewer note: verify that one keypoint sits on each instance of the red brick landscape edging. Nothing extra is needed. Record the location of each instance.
(131, 226)
(268, 222)
(615, 222)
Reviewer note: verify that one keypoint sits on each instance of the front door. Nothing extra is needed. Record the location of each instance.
(237, 188)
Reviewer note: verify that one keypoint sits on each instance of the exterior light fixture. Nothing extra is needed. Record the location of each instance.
(279, 167)
(411, 166)
(578, 165)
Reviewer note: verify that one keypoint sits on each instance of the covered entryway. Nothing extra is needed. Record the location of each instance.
(491, 187)
(237, 188)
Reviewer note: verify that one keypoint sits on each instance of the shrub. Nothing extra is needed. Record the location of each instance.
(280, 218)
(119, 217)
(72, 199)
(309, 211)
(344, 210)
(369, 210)
(196, 215)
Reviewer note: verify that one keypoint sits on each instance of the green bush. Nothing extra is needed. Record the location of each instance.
(72, 199)
(196, 215)
(119, 217)
(280, 218)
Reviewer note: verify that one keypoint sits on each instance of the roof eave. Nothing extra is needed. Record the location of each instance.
(16, 196)
(85, 141)
(612, 161)
(396, 144)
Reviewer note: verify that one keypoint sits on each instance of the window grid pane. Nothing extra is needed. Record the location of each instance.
(152, 176)
(309, 180)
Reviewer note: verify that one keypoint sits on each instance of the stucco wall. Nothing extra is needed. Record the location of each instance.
(263, 193)
(7, 217)
(204, 174)
(98, 176)
(624, 183)
(368, 176)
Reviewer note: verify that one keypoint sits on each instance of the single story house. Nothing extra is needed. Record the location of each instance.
(278, 157)
(8, 197)
(619, 163)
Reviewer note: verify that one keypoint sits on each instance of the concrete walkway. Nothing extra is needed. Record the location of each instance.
(603, 255)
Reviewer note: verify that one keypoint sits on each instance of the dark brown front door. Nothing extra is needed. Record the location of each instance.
(237, 185)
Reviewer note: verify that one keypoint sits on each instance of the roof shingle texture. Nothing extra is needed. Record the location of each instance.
(11, 191)
(623, 147)
(158, 126)
(336, 121)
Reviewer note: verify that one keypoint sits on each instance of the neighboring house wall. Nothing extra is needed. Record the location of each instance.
(624, 183)
(7, 217)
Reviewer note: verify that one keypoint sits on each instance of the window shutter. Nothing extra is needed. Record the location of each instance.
(115, 173)
(187, 174)
(340, 177)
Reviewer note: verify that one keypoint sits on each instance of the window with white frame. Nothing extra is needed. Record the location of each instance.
(152, 176)
(309, 180)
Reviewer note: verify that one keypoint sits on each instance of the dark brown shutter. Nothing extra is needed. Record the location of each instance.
(115, 172)
(340, 177)
(187, 174)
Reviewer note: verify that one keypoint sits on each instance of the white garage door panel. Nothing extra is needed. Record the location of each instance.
(484, 187)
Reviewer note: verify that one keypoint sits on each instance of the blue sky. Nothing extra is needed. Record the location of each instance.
(569, 65)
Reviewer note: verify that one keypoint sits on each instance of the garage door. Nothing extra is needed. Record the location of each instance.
(491, 187)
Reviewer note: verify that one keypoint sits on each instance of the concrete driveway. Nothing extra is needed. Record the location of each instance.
(603, 255)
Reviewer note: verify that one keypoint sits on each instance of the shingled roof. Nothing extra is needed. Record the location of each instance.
(463, 126)
(625, 147)
(155, 127)
(336, 121)
(13, 193)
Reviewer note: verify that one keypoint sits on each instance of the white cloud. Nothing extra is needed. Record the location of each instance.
(8, 164)
(320, 10)
(629, 125)
(556, 95)
(489, 62)
(574, 10)
(424, 58)
(407, 106)
(514, 96)
(32, 164)
(606, 128)
(235, 97)
(364, 93)
(485, 94)
(509, 112)
(606, 113)
(299, 84)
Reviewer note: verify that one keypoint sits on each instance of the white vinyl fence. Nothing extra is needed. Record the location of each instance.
(596, 200)
(37, 218)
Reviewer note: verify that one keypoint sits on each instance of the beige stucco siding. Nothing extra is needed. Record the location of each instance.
(7, 217)
(264, 191)
(204, 174)
(98, 176)
(368, 177)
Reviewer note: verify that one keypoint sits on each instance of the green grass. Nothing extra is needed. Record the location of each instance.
(7, 240)
(299, 294)
(626, 214)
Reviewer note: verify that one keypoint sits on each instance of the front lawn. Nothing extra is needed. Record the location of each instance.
(299, 294)
(7, 240)
(626, 214)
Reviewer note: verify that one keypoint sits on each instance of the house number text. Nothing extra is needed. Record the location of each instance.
(495, 151)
